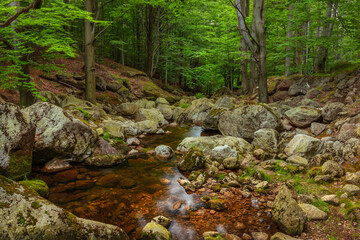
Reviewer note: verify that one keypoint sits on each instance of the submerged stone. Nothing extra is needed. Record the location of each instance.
(154, 231)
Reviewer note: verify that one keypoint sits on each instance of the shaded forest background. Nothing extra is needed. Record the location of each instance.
(192, 44)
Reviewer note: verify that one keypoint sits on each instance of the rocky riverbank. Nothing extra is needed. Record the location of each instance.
(294, 163)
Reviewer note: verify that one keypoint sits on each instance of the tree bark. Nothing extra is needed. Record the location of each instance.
(246, 85)
(288, 48)
(322, 51)
(259, 16)
(89, 59)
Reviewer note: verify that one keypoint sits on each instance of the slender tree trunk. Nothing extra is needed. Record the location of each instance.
(149, 39)
(90, 84)
(288, 48)
(245, 80)
(259, 23)
(122, 44)
(322, 51)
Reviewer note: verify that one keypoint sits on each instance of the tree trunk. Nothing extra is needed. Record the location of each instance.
(149, 39)
(89, 59)
(322, 51)
(288, 48)
(245, 80)
(259, 27)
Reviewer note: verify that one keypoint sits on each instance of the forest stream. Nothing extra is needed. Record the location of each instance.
(130, 195)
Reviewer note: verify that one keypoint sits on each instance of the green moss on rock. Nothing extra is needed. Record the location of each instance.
(38, 186)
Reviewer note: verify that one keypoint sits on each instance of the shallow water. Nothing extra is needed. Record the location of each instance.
(145, 188)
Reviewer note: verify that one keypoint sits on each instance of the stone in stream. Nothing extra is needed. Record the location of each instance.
(313, 212)
(133, 141)
(163, 221)
(56, 165)
(16, 142)
(259, 236)
(104, 155)
(287, 214)
(26, 215)
(110, 180)
(59, 134)
(196, 112)
(164, 152)
(154, 231)
(191, 161)
(185, 183)
(151, 114)
(217, 204)
(212, 235)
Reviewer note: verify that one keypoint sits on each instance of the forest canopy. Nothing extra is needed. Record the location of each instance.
(194, 44)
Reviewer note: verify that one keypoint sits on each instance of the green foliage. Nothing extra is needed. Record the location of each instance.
(199, 95)
(185, 105)
(109, 138)
(87, 115)
(324, 206)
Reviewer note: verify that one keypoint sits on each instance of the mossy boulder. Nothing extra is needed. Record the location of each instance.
(38, 186)
(244, 121)
(266, 139)
(26, 215)
(154, 231)
(58, 134)
(287, 214)
(197, 112)
(302, 116)
(303, 146)
(17, 136)
(192, 161)
(104, 155)
(217, 204)
(151, 114)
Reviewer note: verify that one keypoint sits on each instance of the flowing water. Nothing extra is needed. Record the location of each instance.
(130, 196)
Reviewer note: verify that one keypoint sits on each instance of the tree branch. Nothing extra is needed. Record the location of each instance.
(36, 4)
(99, 33)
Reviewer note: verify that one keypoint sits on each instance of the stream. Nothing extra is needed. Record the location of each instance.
(130, 196)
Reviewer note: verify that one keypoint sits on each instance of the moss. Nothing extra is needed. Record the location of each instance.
(324, 206)
(217, 204)
(28, 220)
(205, 198)
(13, 188)
(220, 176)
(4, 205)
(19, 165)
(199, 95)
(36, 205)
(185, 105)
(37, 185)
(216, 188)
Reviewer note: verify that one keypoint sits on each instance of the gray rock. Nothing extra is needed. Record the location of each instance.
(151, 114)
(331, 111)
(333, 169)
(353, 178)
(221, 152)
(351, 189)
(211, 121)
(128, 109)
(16, 142)
(185, 183)
(317, 128)
(166, 111)
(114, 128)
(154, 231)
(161, 101)
(243, 122)
(302, 116)
(196, 112)
(287, 214)
(323, 178)
(163, 221)
(313, 212)
(25, 215)
(297, 160)
(104, 155)
(266, 139)
(192, 161)
(262, 185)
(59, 134)
(299, 88)
(331, 199)
(56, 165)
(231, 163)
(282, 236)
(207, 143)
(164, 152)
(224, 102)
(133, 141)
(348, 131)
(259, 236)
(146, 126)
(303, 146)
(100, 83)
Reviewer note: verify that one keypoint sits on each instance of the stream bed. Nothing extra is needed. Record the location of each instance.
(130, 196)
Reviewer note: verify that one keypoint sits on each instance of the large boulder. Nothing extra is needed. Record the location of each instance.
(331, 111)
(266, 139)
(25, 215)
(161, 101)
(299, 88)
(302, 116)
(16, 142)
(144, 103)
(196, 112)
(166, 111)
(211, 122)
(59, 134)
(313, 212)
(287, 214)
(207, 143)
(104, 155)
(224, 102)
(348, 131)
(353, 178)
(146, 126)
(243, 122)
(128, 109)
(151, 114)
(303, 146)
